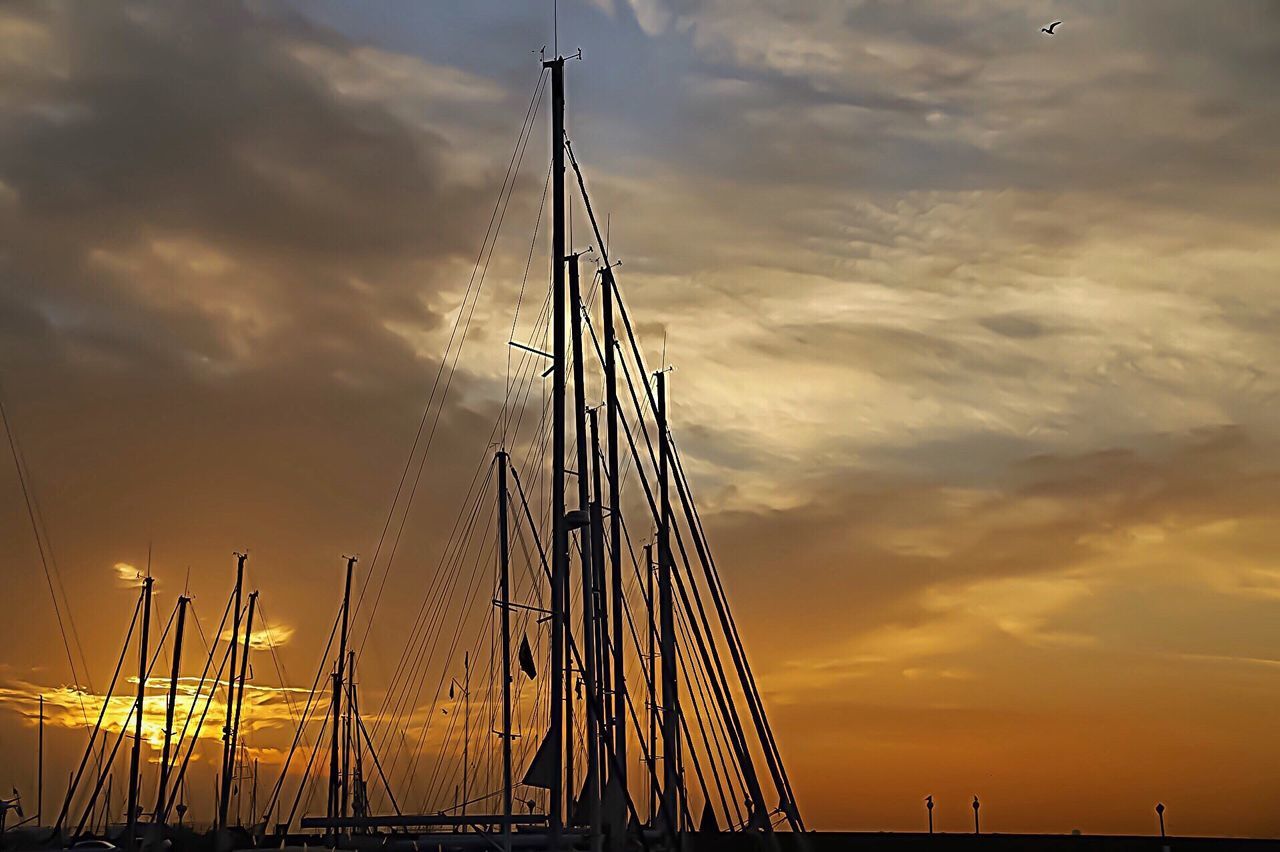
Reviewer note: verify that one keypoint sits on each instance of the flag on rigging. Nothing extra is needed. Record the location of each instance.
(526, 659)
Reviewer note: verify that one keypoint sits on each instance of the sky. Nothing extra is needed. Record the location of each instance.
(974, 333)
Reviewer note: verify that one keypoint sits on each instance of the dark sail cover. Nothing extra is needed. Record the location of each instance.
(542, 770)
(615, 807)
(579, 816)
(526, 659)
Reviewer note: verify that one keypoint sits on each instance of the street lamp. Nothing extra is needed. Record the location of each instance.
(465, 686)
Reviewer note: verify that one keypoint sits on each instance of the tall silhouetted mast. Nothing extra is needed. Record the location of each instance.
(560, 538)
(40, 768)
(228, 756)
(667, 625)
(504, 598)
(652, 680)
(342, 658)
(136, 755)
(615, 527)
(334, 769)
(599, 601)
(337, 801)
(225, 801)
(591, 786)
(171, 705)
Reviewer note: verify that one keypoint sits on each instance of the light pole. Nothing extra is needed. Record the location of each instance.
(465, 686)
(1160, 816)
(928, 803)
(976, 828)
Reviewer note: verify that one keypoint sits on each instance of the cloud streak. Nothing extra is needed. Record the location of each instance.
(975, 334)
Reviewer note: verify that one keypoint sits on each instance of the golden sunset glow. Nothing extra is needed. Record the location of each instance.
(976, 337)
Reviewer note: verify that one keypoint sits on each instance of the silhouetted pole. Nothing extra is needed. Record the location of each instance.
(504, 596)
(589, 626)
(347, 777)
(342, 659)
(1160, 815)
(466, 728)
(359, 799)
(615, 530)
(560, 539)
(599, 598)
(667, 625)
(976, 828)
(172, 703)
(225, 801)
(40, 767)
(228, 756)
(253, 793)
(136, 755)
(333, 760)
(653, 682)
(928, 803)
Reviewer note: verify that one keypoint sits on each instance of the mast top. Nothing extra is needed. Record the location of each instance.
(560, 60)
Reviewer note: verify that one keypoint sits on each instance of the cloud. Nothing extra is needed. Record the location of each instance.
(974, 329)
(127, 576)
(264, 638)
(1043, 555)
(266, 708)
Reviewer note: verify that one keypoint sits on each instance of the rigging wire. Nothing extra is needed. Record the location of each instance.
(498, 214)
(42, 544)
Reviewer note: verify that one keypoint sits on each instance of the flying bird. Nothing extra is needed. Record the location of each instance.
(1049, 29)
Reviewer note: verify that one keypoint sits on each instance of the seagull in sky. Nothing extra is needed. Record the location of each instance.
(1049, 29)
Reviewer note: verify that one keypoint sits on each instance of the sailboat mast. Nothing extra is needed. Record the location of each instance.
(332, 808)
(106, 806)
(592, 784)
(466, 728)
(359, 795)
(342, 658)
(353, 736)
(40, 768)
(504, 596)
(235, 727)
(666, 615)
(599, 601)
(253, 792)
(652, 682)
(224, 782)
(615, 527)
(136, 755)
(560, 539)
(172, 704)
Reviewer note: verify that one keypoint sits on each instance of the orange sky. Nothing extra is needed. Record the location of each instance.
(974, 329)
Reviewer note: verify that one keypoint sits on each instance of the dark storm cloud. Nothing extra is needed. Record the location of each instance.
(227, 252)
(162, 137)
(890, 96)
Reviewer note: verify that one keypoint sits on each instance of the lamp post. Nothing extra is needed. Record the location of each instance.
(976, 827)
(928, 803)
(1160, 816)
(465, 687)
